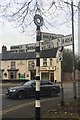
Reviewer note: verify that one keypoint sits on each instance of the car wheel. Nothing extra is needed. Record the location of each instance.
(21, 95)
(53, 93)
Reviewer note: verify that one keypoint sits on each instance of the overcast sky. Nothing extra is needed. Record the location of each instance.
(9, 35)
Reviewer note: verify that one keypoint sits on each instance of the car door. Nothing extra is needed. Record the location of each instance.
(44, 88)
(30, 90)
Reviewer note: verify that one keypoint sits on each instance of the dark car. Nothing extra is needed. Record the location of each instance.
(28, 89)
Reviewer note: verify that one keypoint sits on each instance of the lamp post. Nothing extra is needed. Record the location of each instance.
(74, 81)
(38, 20)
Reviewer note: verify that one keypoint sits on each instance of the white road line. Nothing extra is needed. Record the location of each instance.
(23, 105)
(20, 106)
(15, 108)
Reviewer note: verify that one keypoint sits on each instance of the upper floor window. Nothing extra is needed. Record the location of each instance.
(44, 61)
(13, 64)
(31, 64)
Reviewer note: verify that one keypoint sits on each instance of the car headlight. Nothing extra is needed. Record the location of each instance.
(12, 90)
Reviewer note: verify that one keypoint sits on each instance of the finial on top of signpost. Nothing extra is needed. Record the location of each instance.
(38, 20)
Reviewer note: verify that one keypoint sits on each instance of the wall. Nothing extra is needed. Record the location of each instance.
(68, 76)
(22, 67)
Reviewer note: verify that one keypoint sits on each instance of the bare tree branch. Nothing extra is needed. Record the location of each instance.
(22, 11)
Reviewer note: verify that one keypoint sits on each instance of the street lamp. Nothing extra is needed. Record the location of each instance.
(38, 20)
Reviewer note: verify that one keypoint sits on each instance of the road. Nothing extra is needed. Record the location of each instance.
(12, 108)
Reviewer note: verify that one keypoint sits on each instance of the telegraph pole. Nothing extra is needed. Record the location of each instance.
(38, 20)
(74, 81)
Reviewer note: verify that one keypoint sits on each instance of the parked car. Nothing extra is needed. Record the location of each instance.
(28, 89)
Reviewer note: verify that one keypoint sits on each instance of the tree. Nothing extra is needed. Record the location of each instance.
(22, 12)
(68, 61)
(78, 62)
(78, 65)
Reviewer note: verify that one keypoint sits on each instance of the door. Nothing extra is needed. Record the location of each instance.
(33, 75)
(30, 90)
(52, 77)
(12, 75)
(44, 88)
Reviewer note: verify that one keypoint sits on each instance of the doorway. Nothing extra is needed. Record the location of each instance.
(52, 77)
(12, 75)
(33, 75)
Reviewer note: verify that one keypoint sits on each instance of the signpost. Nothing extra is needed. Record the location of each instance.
(58, 42)
(38, 20)
(54, 41)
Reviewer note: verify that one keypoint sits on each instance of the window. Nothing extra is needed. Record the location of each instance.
(46, 82)
(31, 63)
(51, 62)
(44, 76)
(12, 75)
(44, 61)
(13, 64)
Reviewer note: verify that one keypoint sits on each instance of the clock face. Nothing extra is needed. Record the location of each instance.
(38, 20)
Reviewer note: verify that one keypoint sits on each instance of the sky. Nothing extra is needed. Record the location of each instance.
(10, 35)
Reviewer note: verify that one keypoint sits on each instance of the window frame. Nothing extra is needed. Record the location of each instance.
(13, 64)
(44, 62)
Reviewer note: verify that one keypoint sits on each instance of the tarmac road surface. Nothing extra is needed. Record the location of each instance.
(12, 108)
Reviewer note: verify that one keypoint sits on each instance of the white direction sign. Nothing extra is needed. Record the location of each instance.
(63, 41)
(56, 40)
(66, 40)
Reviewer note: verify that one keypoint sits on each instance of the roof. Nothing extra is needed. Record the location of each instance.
(50, 53)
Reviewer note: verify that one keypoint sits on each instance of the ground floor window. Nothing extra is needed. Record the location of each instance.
(21, 76)
(12, 75)
(45, 76)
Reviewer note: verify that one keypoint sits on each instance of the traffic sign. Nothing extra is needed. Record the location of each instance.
(59, 54)
(66, 40)
(55, 41)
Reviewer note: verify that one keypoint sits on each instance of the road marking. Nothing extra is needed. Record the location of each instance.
(24, 105)
(20, 106)
(15, 108)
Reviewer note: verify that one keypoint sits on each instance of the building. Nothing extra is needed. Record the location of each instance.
(16, 66)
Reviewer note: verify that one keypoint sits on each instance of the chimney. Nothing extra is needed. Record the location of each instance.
(4, 48)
